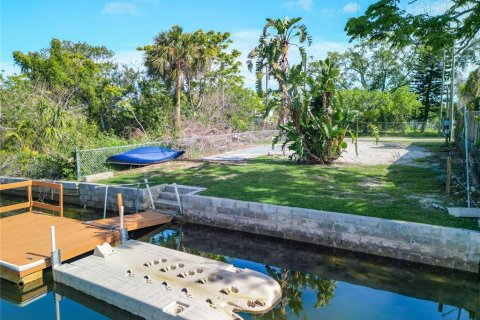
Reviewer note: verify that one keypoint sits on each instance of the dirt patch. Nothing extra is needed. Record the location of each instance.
(370, 153)
(425, 201)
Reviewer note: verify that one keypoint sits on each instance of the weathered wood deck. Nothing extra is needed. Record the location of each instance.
(25, 239)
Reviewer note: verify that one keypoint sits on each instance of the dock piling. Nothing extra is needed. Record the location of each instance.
(123, 230)
(56, 261)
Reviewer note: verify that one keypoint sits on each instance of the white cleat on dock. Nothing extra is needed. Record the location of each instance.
(159, 283)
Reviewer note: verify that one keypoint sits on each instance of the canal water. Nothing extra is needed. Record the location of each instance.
(317, 282)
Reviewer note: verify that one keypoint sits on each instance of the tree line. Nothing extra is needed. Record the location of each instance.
(72, 95)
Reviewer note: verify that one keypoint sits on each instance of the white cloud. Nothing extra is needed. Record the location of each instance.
(131, 58)
(350, 7)
(432, 8)
(302, 4)
(246, 40)
(121, 7)
(319, 49)
(327, 11)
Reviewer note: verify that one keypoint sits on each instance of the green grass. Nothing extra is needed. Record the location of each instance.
(394, 192)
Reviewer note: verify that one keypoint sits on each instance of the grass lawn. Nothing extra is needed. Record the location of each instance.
(397, 192)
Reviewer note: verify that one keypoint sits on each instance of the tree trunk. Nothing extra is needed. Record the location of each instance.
(284, 106)
(177, 116)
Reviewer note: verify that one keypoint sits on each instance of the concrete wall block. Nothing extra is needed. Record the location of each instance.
(352, 219)
(300, 213)
(246, 213)
(226, 211)
(206, 201)
(239, 205)
(70, 185)
(475, 238)
(256, 207)
(227, 203)
(261, 216)
(284, 211)
(269, 209)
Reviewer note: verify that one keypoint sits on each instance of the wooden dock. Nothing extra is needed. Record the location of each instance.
(25, 244)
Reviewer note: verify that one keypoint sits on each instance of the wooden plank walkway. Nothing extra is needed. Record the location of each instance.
(25, 239)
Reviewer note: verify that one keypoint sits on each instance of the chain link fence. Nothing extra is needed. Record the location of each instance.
(400, 128)
(92, 161)
(473, 142)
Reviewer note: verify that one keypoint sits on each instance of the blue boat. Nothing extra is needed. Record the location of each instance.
(145, 156)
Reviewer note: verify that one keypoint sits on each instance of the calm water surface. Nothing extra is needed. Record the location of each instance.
(317, 282)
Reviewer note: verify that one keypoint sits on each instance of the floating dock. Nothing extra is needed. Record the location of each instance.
(154, 282)
(25, 237)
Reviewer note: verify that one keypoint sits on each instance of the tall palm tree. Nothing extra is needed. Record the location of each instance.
(171, 58)
(272, 51)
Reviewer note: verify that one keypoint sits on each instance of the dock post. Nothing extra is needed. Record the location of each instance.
(178, 198)
(149, 193)
(105, 203)
(123, 231)
(56, 260)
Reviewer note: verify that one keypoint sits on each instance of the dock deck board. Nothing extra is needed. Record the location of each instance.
(25, 238)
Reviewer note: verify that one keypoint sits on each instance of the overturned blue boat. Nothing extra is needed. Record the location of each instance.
(145, 156)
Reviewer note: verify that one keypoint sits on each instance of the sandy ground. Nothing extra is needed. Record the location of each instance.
(369, 153)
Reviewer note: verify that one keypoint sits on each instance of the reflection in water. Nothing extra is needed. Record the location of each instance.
(317, 282)
(311, 276)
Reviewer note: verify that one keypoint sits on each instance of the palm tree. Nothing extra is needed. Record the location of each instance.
(171, 58)
(272, 53)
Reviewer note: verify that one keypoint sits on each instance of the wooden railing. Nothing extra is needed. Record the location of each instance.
(30, 203)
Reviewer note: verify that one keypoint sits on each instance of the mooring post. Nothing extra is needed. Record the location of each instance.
(467, 166)
(105, 203)
(149, 193)
(178, 198)
(56, 261)
(123, 230)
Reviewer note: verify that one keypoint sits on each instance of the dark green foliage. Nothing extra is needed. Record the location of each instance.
(470, 91)
(385, 20)
(373, 66)
(74, 95)
(427, 81)
(319, 121)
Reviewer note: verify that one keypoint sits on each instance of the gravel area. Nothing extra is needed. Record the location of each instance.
(369, 153)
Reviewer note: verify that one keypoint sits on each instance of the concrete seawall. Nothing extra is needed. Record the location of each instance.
(432, 245)
(91, 195)
(452, 248)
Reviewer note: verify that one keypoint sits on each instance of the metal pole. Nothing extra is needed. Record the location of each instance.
(105, 203)
(123, 231)
(77, 157)
(178, 198)
(149, 193)
(55, 257)
(452, 84)
(467, 169)
(52, 238)
(443, 88)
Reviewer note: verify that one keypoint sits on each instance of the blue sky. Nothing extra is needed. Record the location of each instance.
(123, 25)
